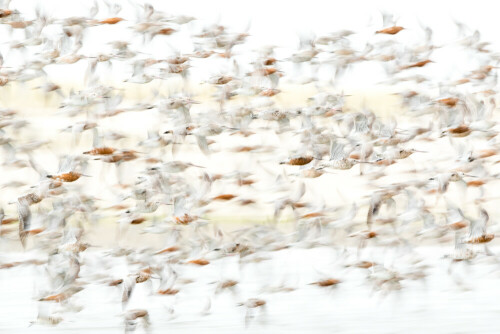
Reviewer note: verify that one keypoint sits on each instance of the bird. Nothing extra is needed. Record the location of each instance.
(234, 162)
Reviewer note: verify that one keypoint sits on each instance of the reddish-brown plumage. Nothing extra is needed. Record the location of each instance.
(165, 31)
(265, 71)
(168, 292)
(460, 131)
(245, 148)
(116, 282)
(66, 177)
(481, 239)
(185, 219)
(449, 101)
(112, 158)
(199, 262)
(152, 160)
(417, 64)
(138, 221)
(111, 20)
(223, 80)
(475, 183)
(101, 151)
(247, 201)
(9, 221)
(390, 31)
(63, 295)
(365, 264)
(486, 153)
(5, 13)
(462, 81)
(224, 197)
(168, 250)
(56, 298)
(245, 182)
(312, 215)
(20, 24)
(269, 92)
(9, 265)
(327, 282)
(355, 156)
(128, 155)
(177, 60)
(385, 162)
(143, 276)
(457, 225)
(36, 231)
(269, 61)
(228, 284)
(300, 161)
(258, 303)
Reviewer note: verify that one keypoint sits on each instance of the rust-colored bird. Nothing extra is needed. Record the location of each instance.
(459, 131)
(298, 161)
(115, 282)
(327, 282)
(199, 262)
(224, 197)
(143, 276)
(270, 92)
(390, 31)
(165, 31)
(111, 20)
(66, 177)
(449, 101)
(5, 13)
(7, 221)
(137, 221)
(101, 151)
(227, 284)
(64, 295)
(185, 219)
(168, 250)
(417, 64)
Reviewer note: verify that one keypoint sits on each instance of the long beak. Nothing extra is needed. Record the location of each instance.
(193, 165)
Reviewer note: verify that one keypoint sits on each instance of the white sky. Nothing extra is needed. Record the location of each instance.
(273, 21)
(280, 23)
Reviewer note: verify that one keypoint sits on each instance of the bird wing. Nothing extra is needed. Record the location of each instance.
(179, 206)
(337, 151)
(203, 144)
(128, 288)
(24, 213)
(478, 226)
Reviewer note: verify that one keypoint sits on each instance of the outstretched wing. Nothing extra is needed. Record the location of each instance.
(128, 287)
(24, 214)
(337, 151)
(478, 226)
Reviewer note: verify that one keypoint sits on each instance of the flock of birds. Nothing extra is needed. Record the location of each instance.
(174, 198)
